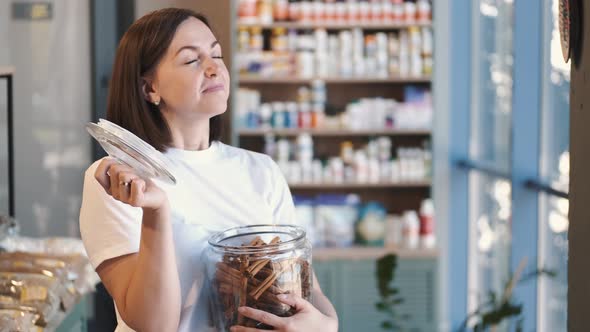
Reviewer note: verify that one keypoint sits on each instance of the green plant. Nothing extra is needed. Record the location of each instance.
(390, 296)
(497, 309)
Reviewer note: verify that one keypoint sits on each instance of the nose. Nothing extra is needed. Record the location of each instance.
(211, 68)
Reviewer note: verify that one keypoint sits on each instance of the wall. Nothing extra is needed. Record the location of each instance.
(51, 106)
(579, 191)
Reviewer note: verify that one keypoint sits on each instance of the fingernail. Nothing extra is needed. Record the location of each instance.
(282, 296)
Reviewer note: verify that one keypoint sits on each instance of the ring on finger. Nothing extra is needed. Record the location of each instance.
(123, 183)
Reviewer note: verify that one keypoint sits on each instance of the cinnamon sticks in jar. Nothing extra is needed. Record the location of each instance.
(255, 277)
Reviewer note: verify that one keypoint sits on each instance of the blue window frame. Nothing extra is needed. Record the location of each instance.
(500, 143)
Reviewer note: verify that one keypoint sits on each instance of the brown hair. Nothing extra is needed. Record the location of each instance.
(141, 48)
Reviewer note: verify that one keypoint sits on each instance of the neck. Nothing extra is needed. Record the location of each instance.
(188, 134)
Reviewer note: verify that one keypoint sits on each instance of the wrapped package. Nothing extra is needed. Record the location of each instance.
(13, 320)
(35, 293)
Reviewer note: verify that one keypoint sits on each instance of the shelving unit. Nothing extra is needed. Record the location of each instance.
(397, 197)
(348, 275)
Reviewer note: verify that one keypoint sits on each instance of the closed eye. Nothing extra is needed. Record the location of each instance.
(192, 61)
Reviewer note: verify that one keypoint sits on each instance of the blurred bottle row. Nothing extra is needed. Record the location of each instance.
(349, 53)
(311, 111)
(372, 163)
(349, 11)
(343, 220)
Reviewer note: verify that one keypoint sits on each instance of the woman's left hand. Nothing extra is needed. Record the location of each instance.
(306, 318)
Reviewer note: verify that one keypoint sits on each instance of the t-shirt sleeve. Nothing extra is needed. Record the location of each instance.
(281, 199)
(109, 228)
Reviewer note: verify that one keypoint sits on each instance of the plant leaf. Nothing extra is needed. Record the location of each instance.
(381, 306)
(387, 325)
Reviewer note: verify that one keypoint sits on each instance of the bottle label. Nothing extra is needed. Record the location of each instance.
(426, 225)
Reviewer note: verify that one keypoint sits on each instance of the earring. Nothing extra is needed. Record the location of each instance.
(157, 102)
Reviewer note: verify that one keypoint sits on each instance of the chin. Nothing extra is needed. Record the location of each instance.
(221, 111)
(215, 110)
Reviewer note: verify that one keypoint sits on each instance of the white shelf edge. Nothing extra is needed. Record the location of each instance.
(333, 132)
(368, 185)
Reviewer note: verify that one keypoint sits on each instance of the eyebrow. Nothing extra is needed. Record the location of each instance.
(195, 48)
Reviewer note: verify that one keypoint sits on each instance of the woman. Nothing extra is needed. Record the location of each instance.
(144, 238)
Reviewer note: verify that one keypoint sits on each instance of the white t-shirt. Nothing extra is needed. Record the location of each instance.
(217, 188)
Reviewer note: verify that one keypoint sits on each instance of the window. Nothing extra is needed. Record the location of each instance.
(490, 146)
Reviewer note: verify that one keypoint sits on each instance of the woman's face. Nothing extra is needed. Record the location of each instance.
(191, 80)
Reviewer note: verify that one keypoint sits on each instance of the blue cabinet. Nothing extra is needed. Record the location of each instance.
(351, 285)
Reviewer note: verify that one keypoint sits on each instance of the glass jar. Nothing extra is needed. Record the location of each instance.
(251, 265)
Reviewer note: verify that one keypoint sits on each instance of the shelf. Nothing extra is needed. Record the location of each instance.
(256, 79)
(5, 71)
(333, 132)
(338, 26)
(354, 185)
(359, 253)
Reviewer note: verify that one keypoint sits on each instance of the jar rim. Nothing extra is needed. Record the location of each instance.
(297, 232)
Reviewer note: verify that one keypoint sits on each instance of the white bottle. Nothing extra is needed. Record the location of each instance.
(361, 167)
(374, 170)
(411, 230)
(317, 171)
(265, 115)
(394, 228)
(427, 224)
(337, 170)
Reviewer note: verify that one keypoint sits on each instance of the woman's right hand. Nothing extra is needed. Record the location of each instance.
(121, 182)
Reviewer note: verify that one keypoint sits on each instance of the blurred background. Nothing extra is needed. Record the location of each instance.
(426, 138)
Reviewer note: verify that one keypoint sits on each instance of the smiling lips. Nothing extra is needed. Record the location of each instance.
(214, 88)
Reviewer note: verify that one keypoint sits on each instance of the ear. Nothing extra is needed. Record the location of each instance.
(150, 91)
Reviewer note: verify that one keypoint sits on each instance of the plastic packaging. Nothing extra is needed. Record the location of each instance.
(370, 228)
(35, 293)
(52, 253)
(304, 214)
(8, 227)
(251, 265)
(335, 216)
(17, 320)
